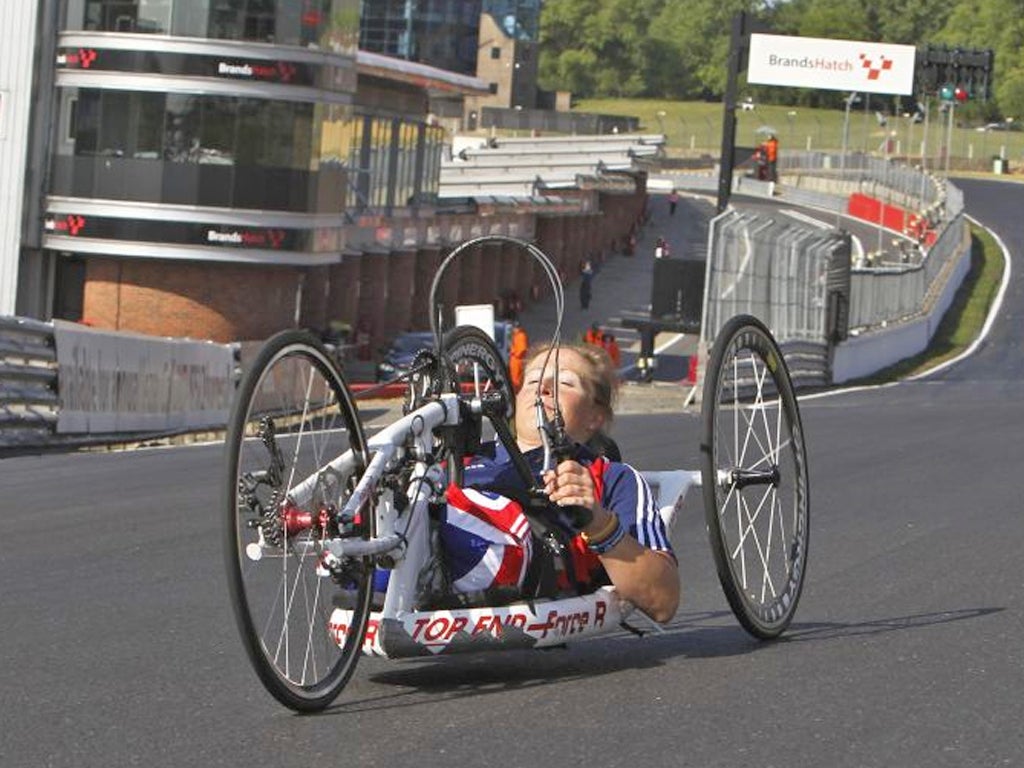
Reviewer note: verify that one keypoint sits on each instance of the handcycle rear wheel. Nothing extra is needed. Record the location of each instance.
(754, 477)
(293, 415)
(478, 366)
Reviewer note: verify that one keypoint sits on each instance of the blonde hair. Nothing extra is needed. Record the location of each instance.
(600, 380)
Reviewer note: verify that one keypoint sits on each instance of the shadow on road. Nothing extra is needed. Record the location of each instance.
(710, 634)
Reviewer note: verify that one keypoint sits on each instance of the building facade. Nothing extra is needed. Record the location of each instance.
(495, 40)
(223, 170)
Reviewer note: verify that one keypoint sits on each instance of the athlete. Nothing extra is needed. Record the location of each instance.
(625, 538)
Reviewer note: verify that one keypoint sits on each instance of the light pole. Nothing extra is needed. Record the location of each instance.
(850, 101)
(686, 130)
(951, 108)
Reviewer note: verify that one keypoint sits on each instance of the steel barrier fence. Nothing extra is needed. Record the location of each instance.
(882, 295)
(774, 270)
(29, 400)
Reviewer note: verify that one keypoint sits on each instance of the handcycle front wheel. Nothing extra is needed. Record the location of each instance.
(477, 366)
(294, 450)
(754, 477)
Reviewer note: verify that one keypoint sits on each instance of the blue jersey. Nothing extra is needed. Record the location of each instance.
(622, 489)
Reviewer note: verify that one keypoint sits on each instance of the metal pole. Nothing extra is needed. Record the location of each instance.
(846, 134)
(846, 139)
(736, 48)
(924, 150)
(949, 132)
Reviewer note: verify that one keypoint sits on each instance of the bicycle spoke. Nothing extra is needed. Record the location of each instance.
(751, 428)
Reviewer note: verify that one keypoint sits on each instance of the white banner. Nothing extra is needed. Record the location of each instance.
(836, 65)
(122, 382)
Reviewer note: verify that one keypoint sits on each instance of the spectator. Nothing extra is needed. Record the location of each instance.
(673, 201)
(661, 248)
(771, 151)
(517, 355)
(612, 348)
(587, 273)
(593, 335)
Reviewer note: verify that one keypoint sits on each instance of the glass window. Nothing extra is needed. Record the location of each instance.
(217, 131)
(243, 153)
(332, 24)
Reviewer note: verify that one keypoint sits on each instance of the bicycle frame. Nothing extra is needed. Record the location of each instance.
(398, 630)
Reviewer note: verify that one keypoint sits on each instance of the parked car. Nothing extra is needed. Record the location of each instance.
(403, 350)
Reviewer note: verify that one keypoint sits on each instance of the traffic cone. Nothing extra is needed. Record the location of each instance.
(691, 372)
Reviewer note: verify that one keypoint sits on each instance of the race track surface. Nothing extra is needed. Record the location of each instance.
(119, 648)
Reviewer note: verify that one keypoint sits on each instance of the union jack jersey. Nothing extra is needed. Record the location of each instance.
(621, 488)
(486, 538)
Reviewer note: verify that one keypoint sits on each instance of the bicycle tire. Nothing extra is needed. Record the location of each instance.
(477, 365)
(753, 462)
(292, 414)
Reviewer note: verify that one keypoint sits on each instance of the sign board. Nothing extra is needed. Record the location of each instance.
(479, 315)
(837, 65)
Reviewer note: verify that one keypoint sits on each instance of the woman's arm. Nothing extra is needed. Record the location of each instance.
(645, 577)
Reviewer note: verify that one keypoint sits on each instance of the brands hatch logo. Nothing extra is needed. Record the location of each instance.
(70, 225)
(281, 71)
(83, 58)
(874, 70)
(266, 238)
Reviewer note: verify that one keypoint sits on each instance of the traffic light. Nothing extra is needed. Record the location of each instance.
(944, 70)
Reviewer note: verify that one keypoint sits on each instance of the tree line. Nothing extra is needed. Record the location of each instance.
(678, 49)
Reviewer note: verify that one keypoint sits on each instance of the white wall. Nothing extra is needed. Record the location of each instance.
(17, 41)
(871, 352)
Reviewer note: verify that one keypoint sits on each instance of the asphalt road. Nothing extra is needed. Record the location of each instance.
(119, 648)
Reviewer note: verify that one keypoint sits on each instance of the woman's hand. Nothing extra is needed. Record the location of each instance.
(648, 579)
(571, 484)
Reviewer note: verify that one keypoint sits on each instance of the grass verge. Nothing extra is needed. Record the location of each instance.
(966, 316)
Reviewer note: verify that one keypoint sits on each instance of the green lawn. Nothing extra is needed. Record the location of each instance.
(695, 127)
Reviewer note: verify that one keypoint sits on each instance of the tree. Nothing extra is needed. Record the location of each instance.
(596, 47)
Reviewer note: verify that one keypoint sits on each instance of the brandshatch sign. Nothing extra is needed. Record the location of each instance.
(838, 65)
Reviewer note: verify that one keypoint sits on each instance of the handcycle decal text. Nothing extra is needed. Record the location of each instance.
(434, 632)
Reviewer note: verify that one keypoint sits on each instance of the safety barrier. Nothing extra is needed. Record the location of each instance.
(29, 402)
(64, 383)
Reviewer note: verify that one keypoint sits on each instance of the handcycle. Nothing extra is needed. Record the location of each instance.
(316, 510)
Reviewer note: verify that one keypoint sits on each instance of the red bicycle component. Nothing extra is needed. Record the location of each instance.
(298, 520)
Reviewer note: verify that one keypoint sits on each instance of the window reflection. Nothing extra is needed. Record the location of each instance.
(241, 153)
(332, 24)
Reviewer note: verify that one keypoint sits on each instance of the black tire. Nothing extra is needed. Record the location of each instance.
(292, 415)
(754, 477)
(477, 365)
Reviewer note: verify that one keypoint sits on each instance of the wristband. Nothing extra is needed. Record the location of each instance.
(600, 546)
(604, 532)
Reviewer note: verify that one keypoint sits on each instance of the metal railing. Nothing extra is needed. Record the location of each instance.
(29, 400)
(889, 294)
(66, 384)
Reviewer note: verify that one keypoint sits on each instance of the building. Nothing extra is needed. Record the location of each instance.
(225, 170)
(495, 40)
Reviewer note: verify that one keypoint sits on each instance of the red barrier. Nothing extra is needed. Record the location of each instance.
(892, 217)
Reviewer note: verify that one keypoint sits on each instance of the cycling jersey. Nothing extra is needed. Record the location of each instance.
(621, 488)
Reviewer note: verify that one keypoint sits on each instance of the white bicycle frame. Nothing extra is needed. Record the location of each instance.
(403, 537)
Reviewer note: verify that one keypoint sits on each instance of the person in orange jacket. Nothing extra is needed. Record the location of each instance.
(593, 335)
(517, 355)
(771, 151)
(612, 348)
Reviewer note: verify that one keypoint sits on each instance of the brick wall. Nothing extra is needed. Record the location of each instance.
(383, 292)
